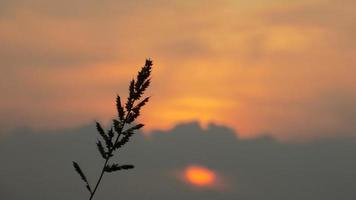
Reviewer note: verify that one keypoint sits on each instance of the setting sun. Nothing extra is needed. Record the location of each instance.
(178, 99)
(200, 176)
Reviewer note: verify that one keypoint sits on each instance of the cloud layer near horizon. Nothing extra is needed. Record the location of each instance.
(286, 68)
(37, 165)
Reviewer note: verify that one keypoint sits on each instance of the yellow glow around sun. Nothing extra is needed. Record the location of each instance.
(200, 176)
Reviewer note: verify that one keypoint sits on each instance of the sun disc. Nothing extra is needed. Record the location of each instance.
(199, 176)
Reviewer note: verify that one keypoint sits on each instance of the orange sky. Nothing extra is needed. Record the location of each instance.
(284, 68)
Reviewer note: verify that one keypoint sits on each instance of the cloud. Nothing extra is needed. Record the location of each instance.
(38, 164)
(333, 15)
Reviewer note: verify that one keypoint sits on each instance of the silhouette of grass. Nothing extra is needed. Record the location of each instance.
(126, 116)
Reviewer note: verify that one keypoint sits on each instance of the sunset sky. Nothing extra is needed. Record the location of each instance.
(281, 68)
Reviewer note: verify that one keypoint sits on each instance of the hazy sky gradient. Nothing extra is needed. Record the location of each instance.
(286, 68)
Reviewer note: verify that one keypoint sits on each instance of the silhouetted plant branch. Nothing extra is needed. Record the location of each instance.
(126, 116)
